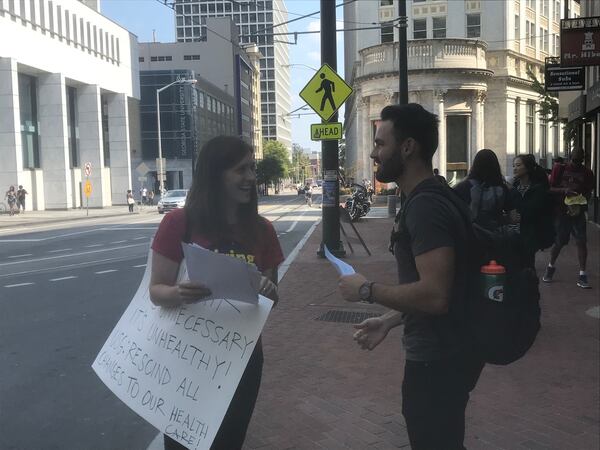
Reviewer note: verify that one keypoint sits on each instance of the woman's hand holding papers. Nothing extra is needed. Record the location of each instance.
(268, 289)
(191, 292)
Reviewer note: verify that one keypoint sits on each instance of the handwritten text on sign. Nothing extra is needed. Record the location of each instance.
(178, 368)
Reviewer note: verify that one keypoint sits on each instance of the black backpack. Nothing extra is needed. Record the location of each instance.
(499, 332)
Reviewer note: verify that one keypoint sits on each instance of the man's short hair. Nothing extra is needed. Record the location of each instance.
(414, 121)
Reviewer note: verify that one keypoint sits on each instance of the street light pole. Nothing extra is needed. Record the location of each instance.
(160, 158)
(402, 55)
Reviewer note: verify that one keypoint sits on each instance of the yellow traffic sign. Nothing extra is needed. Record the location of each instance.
(325, 92)
(87, 188)
(326, 131)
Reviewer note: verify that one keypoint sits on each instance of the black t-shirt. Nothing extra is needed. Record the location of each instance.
(431, 222)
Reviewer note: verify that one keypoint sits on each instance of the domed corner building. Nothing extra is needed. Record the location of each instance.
(468, 62)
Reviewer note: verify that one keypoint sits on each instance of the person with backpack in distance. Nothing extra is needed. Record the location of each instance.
(441, 369)
(531, 194)
(571, 185)
(220, 214)
(487, 194)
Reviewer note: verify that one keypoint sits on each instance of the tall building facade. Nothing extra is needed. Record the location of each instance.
(190, 115)
(67, 78)
(469, 63)
(255, 20)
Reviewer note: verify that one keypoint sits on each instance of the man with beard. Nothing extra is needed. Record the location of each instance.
(429, 244)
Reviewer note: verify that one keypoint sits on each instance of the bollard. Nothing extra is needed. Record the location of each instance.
(391, 204)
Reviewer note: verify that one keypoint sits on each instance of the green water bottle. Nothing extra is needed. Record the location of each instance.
(493, 276)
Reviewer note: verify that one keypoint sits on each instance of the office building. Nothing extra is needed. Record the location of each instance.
(67, 78)
(468, 62)
(255, 20)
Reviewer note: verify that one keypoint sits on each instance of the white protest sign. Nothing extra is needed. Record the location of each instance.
(178, 368)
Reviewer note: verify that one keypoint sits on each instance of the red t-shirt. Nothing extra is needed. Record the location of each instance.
(265, 253)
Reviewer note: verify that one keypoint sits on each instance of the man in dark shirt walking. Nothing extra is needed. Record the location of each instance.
(428, 244)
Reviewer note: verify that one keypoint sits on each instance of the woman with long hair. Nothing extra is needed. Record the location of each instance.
(220, 214)
(487, 193)
(11, 197)
(531, 192)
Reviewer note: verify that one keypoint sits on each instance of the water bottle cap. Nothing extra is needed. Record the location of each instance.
(493, 268)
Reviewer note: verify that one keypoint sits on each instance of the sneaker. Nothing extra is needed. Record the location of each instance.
(582, 282)
(548, 274)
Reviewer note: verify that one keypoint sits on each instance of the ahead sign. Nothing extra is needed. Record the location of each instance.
(326, 131)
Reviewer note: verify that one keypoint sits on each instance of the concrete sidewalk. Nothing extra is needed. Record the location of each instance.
(320, 391)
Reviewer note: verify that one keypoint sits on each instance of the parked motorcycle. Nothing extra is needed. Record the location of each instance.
(358, 205)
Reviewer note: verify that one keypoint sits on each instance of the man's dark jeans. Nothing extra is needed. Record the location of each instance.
(434, 399)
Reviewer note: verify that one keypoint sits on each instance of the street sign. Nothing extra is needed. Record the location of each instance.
(87, 188)
(143, 169)
(580, 42)
(325, 131)
(564, 78)
(325, 92)
(87, 169)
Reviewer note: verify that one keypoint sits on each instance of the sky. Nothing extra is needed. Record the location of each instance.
(143, 17)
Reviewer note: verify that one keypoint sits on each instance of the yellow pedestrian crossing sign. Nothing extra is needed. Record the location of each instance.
(326, 92)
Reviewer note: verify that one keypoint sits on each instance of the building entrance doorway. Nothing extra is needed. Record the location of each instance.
(457, 148)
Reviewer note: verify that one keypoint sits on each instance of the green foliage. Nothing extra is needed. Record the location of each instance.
(548, 103)
(300, 167)
(278, 151)
(269, 170)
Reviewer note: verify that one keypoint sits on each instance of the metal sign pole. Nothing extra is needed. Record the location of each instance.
(329, 149)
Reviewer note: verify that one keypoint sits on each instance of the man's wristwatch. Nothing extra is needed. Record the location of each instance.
(365, 292)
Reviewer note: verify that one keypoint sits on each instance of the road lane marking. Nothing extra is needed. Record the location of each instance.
(105, 271)
(76, 266)
(63, 278)
(20, 256)
(119, 242)
(293, 225)
(138, 238)
(70, 255)
(94, 245)
(140, 265)
(288, 261)
(59, 251)
(18, 285)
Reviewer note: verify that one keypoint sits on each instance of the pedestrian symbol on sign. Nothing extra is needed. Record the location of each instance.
(328, 87)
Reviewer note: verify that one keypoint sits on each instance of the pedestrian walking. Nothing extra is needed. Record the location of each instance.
(487, 193)
(220, 214)
(151, 197)
(21, 193)
(144, 196)
(130, 200)
(571, 185)
(11, 198)
(440, 369)
(531, 194)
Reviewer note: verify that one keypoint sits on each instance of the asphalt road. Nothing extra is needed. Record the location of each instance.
(62, 289)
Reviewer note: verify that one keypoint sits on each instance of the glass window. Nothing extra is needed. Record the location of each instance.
(72, 126)
(105, 131)
(439, 27)
(531, 4)
(387, 2)
(544, 38)
(517, 27)
(543, 137)
(51, 18)
(29, 121)
(557, 11)
(545, 7)
(387, 34)
(141, 59)
(420, 29)
(529, 123)
(473, 25)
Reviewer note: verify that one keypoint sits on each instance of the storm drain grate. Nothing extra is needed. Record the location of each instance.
(340, 316)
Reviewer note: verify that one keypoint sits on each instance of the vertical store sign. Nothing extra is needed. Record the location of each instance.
(580, 42)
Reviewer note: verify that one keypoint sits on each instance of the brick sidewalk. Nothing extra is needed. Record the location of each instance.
(320, 391)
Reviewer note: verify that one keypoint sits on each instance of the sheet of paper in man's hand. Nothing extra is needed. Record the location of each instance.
(342, 267)
(227, 277)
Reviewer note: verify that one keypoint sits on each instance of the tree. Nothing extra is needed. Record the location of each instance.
(300, 163)
(269, 170)
(277, 150)
(548, 102)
